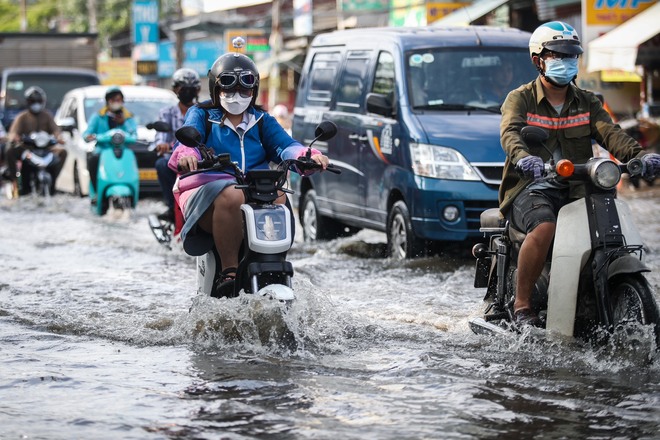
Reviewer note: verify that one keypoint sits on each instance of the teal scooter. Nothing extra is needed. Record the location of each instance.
(118, 179)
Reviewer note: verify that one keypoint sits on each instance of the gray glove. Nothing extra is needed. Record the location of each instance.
(531, 166)
(651, 166)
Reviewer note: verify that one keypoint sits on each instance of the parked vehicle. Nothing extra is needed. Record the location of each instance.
(268, 227)
(80, 104)
(55, 81)
(418, 136)
(595, 278)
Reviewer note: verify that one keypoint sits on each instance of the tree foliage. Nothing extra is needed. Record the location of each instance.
(112, 16)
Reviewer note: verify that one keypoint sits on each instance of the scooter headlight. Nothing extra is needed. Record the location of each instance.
(605, 174)
(118, 138)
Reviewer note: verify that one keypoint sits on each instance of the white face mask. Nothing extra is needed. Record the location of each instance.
(236, 104)
(36, 107)
(115, 106)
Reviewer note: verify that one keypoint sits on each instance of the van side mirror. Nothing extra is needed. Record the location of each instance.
(67, 124)
(379, 104)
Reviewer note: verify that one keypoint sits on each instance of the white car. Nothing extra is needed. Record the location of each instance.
(77, 108)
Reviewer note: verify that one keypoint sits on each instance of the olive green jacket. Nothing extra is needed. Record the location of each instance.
(582, 119)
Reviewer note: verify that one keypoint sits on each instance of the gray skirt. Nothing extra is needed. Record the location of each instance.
(195, 240)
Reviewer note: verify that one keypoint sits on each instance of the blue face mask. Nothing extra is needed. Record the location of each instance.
(562, 71)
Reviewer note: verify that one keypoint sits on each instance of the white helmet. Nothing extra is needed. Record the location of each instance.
(556, 36)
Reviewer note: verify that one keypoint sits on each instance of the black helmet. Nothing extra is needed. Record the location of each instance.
(112, 92)
(186, 78)
(34, 94)
(230, 71)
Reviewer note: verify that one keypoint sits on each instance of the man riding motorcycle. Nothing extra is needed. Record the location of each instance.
(35, 118)
(186, 85)
(573, 117)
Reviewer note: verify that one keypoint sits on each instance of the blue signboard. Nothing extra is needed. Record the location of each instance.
(145, 21)
(199, 56)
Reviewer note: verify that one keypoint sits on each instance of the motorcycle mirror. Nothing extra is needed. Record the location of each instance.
(188, 136)
(161, 126)
(325, 130)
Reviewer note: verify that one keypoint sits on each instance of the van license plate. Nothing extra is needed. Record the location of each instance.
(148, 174)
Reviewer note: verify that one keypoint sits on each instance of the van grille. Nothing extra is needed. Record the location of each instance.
(490, 173)
(473, 210)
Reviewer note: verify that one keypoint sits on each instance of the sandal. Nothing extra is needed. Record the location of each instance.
(224, 284)
(527, 316)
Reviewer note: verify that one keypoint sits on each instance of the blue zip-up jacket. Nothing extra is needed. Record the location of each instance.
(249, 150)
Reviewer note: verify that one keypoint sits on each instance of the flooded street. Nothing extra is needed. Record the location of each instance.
(103, 337)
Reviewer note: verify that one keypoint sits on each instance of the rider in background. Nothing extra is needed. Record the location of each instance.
(35, 118)
(573, 118)
(112, 115)
(186, 86)
(231, 123)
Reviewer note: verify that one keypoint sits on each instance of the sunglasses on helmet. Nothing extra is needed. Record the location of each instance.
(229, 80)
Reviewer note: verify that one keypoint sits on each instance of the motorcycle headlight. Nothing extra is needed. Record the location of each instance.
(41, 139)
(605, 174)
(440, 163)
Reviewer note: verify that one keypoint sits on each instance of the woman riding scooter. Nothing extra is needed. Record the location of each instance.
(231, 123)
(112, 115)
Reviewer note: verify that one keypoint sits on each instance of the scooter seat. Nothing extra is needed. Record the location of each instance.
(490, 218)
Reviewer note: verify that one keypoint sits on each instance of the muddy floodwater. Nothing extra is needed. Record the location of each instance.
(103, 337)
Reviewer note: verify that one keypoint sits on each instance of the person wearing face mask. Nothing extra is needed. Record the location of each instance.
(35, 118)
(112, 115)
(186, 86)
(230, 123)
(573, 117)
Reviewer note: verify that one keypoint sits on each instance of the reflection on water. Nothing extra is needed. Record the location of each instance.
(102, 336)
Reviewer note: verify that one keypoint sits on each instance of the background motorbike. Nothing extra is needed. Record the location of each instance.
(162, 229)
(268, 227)
(594, 279)
(118, 179)
(37, 160)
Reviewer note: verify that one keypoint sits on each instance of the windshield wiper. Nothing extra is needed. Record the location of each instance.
(451, 106)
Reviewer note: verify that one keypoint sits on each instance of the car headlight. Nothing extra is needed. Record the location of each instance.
(605, 174)
(440, 163)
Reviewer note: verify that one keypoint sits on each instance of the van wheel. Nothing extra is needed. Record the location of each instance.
(314, 225)
(401, 240)
(77, 188)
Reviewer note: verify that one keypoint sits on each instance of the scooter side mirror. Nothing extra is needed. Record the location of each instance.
(188, 136)
(534, 135)
(160, 126)
(325, 130)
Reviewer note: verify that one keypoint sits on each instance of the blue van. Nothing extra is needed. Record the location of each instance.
(418, 114)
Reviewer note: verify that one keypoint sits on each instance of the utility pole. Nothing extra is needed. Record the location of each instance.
(275, 43)
(24, 16)
(91, 9)
(180, 35)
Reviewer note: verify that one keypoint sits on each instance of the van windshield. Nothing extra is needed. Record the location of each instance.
(55, 85)
(454, 79)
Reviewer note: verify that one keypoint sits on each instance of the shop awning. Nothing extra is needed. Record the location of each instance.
(468, 14)
(620, 48)
(289, 58)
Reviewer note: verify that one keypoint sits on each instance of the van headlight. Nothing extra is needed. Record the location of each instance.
(440, 163)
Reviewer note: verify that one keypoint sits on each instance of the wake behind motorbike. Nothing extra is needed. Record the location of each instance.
(268, 228)
(593, 283)
(118, 179)
(37, 161)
